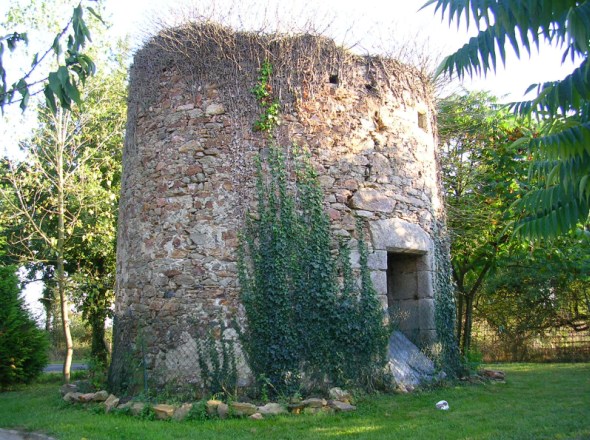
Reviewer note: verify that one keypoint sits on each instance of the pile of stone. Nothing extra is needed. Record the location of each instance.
(484, 376)
(495, 375)
(339, 401)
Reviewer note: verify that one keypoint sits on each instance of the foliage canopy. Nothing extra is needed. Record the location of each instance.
(483, 172)
(61, 87)
(562, 152)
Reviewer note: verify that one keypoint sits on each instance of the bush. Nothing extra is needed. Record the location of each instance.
(23, 346)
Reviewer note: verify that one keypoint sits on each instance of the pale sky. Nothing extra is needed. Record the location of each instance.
(367, 27)
(370, 25)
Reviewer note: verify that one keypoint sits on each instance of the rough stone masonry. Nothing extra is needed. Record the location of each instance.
(188, 179)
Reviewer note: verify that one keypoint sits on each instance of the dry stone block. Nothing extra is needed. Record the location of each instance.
(406, 314)
(424, 283)
(272, 409)
(372, 200)
(399, 235)
(377, 260)
(243, 409)
(72, 397)
(222, 410)
(339, 394)
(111, 403)
(87, 397)
(295, 408)
(379, 280)
(314, 403)
(341, 406)
(185, 107)
(212, 406)
(182, 411)
(68, 388)
(214, 109)
(100, 396)
(408, 365)
(493, 374)
(163, 411)
(134, 407)
(406, 286)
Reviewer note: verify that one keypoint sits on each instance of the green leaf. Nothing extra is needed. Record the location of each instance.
(63, 75)
(56, 46)
(54, 82)
(57, 89)
(578, 26)
(35, 60)
(95, 14)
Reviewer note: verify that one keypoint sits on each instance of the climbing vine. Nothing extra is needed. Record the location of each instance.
(308, 322)
(449, 358)
(262, 91)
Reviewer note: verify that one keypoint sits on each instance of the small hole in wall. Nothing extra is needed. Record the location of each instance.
(422, 121)
(334, 79)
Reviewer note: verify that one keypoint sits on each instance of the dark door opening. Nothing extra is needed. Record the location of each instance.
(405, 291)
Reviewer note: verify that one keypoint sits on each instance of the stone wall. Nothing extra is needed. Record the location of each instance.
(188, 179)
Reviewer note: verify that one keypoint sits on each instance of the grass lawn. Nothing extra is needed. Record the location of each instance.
(542, 401)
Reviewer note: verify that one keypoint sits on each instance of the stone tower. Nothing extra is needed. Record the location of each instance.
(188, 178)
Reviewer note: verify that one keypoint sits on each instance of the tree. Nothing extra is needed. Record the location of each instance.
(61, 87)
(562, 199)
(482, 174)
(61, 200)
(543, 287)
(23, 346)
(91, 259)
(39, 189)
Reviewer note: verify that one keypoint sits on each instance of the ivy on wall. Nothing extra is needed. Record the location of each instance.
(309, 322)
(449, 357)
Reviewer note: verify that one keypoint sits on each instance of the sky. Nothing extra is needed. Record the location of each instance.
(369, 26)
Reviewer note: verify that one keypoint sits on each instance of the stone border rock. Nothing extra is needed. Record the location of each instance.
(339, 402)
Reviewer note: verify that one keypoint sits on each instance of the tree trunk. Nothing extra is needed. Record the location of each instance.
(466, 345)
(61, 280)
(48, 301)
(460, 301)
(98, 350)
(47, 319)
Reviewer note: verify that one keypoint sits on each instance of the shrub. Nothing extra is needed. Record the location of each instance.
(23, 346)
(217, 362)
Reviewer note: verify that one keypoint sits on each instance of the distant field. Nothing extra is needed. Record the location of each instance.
(538, 401)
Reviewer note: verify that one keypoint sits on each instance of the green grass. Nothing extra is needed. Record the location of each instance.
(547, 401)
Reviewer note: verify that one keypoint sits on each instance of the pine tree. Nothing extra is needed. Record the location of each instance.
(23, 346)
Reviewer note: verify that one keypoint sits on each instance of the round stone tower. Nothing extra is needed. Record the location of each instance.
(188, 178)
